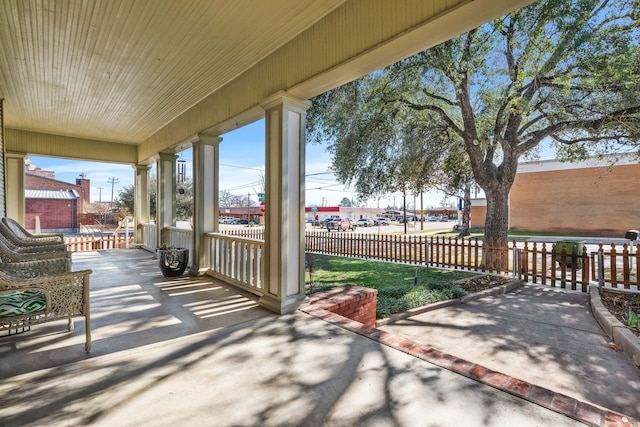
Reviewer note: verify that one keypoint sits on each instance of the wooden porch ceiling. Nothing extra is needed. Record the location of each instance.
(138, 77)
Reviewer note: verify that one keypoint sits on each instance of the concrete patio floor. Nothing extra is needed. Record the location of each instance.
(192, 351)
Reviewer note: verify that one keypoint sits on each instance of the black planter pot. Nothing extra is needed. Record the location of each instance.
(173, 262)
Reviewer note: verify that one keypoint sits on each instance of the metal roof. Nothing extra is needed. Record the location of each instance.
(51, 194)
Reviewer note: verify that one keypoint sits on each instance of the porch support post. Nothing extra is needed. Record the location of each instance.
(141, 201)
(166, 194)
(205, 198)
(284, 215)
(15, 187)
(3, 156)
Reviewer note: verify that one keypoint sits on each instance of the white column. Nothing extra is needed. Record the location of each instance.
(284, 215)
(166, 194)
(14, 164)
(3, 158)
(142, 200)
(205, 198)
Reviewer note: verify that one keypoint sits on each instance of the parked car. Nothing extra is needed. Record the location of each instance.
(433, 218)
(364, 222)
(243, 221)
(381, 221)
(325, 222)
(444, 218)
(340, 224)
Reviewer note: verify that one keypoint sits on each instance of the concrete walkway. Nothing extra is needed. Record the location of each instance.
(544, 336)
(191, 351)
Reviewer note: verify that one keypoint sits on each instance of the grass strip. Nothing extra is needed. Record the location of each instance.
(400, 286)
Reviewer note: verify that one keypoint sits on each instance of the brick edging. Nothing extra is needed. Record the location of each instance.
(615, 330)
(582, 411)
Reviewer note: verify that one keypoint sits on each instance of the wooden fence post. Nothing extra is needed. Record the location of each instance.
(600, 267)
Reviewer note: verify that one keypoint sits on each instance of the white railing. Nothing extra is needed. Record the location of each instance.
(236, 260)
(149, 237)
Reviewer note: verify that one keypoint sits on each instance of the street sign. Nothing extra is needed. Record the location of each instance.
(261, 197)
(262, 207)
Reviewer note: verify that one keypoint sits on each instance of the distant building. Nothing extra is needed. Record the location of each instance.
(251, 214)
(594, 196)
(321, 213)
(56, 205)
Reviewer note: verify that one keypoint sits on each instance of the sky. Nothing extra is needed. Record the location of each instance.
(241, 163)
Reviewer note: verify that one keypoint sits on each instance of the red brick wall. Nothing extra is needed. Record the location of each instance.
(478, 216)
(353, 302)
(601, 200)
(85, 189)
(597, 199)
(54, 214)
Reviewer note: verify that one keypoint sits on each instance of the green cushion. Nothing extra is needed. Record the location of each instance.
(21, 302)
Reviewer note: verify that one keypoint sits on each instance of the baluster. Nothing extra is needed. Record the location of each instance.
(614, 266)
(585, 269)
(534, 262)
(455, 253)
(625, 266)
(543, 272)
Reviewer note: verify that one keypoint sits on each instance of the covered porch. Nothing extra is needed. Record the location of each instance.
(138, 82)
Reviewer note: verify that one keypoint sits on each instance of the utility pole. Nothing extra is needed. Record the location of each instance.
(421, 210)
(100, 194)
(112, 181)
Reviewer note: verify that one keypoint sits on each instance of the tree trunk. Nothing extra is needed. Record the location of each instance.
(466, 211)
(496, 254)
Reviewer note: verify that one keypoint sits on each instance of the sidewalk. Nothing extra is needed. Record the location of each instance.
(542, 335)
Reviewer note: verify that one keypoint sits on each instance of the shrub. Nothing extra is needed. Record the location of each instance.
(401, 298)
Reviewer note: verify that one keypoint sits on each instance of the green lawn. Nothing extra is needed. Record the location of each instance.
(394, 282)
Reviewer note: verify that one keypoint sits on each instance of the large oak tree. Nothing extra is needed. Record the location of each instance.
(560, 71)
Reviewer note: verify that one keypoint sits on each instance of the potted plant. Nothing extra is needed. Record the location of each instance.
(172, 261)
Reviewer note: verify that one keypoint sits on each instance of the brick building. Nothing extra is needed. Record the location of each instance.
(596, 196)
(56, 205)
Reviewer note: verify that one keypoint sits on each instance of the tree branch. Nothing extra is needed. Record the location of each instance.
(439, 98)
(623, 116)
(420, 107)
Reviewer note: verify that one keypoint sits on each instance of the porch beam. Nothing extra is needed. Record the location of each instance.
(284, 215)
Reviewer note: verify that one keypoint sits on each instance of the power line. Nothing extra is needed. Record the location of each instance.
(242, 186)
(320, 173)
(241, 167)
